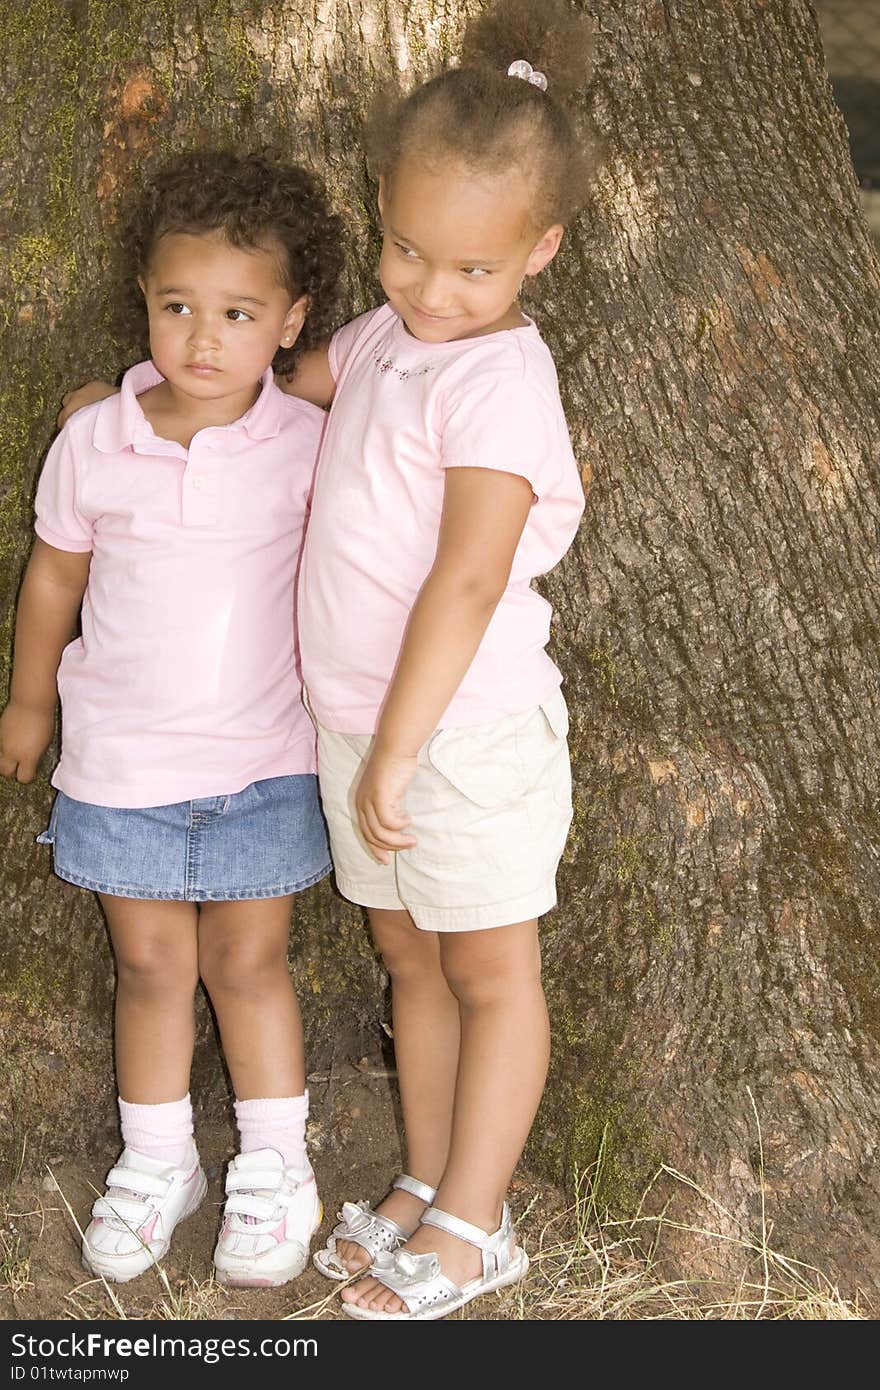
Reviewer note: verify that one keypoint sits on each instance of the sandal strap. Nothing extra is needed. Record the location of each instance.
(415, 1188)
(365, 1227)
(445, 1221)
(374, 1233)
(494, 1246)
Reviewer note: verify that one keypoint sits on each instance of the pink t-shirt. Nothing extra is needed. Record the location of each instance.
(185, 682)
(403, 413)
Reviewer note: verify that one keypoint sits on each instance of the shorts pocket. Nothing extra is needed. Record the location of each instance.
(555, 711)
(556, 772)
(485, 765)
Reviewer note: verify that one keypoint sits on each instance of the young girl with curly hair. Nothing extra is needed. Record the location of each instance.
(171, 515)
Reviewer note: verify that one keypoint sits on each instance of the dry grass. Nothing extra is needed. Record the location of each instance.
(191, 1301)
(14, 1262)
(585, 1266)
(591, 1267)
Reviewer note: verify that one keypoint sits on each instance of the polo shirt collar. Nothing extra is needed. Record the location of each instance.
(121, 424)
(263, 420)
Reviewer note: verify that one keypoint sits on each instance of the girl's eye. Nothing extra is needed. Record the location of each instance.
(178, 309)
(474, 272)
(406, 251)
(238, 316)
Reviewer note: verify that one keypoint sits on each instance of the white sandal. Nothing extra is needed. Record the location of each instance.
(427, 1293)
(360, 1224)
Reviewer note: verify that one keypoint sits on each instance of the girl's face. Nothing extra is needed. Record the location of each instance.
(456, 248)
(217, 315)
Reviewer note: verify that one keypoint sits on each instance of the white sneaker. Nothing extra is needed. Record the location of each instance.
(133, 1222)
(270, 1216)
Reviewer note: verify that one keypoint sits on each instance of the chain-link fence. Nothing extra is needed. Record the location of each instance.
(851, 36)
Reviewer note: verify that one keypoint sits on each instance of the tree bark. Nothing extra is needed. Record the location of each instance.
(712, 968)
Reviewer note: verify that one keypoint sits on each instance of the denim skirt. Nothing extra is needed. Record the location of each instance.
(263, 842)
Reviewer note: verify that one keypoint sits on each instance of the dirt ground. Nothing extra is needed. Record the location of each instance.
(583, 1267)
(354, 1136)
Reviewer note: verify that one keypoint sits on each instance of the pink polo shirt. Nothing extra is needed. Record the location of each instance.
(185, 682)
(403, 413)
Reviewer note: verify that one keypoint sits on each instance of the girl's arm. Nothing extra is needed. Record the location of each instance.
(311, 377)
(82, 396)
(484, 512)
(51, 594)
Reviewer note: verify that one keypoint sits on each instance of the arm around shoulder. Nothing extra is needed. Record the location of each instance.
(82, 396)
(311, 379)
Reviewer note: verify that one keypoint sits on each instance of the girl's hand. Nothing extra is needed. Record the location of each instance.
(83, 395)
(382, 819)
(25, 734)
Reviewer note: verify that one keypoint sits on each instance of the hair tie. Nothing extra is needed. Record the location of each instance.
(523, 69)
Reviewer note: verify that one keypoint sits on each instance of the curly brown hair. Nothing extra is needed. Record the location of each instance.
(256, 201)
(476, 113)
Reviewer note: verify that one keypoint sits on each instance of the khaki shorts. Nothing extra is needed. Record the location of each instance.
(490, 808)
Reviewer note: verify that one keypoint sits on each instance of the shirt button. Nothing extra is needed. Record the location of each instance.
(198, 481)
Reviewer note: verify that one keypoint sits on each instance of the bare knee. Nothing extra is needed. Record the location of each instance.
(240, 966)
(410, 956)
(491, 968)
(154, 944)
(151, 964)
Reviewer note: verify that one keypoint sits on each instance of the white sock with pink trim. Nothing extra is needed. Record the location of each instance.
(161, 1131)
(278, 1122)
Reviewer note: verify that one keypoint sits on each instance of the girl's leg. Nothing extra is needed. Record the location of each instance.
(242, 953)
(495, 976)
(425, 1016)
(157, 972)
(272, 1207)
(157, 1180)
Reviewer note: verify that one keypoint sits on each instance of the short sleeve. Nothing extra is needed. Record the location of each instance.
(59, 520)
(343, 340)
(500, 419)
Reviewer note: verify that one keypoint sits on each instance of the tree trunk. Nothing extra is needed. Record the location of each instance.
(712, 968)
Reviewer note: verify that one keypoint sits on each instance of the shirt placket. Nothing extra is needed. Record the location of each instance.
(200, 492)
